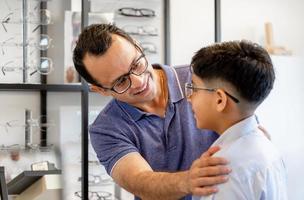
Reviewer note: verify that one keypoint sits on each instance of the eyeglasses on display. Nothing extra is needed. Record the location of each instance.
(44, 67)
(148, 48)
(42, 42)
(43, 17)
(102, 179)
(140, 30)
(136, 12)
(32, 146)
(97, 195)
(32, 122)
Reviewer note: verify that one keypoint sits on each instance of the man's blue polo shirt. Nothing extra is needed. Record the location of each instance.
(168, 144)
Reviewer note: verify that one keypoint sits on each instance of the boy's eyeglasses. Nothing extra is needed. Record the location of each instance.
(189, 88)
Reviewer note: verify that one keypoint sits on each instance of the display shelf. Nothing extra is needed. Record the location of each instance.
(25, 179)
(41, 87)
(3, 187)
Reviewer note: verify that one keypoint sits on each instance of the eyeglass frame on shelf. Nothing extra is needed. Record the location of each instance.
(98, 179)
(28, 43)
(140, 30)
(6, 19)
(136, 10)
(31, 122)
(148, 47)
(190, 87)
(106, 196)
(19, 147)
(21, 68)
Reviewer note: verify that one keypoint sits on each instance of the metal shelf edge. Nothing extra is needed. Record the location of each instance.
(40, 87)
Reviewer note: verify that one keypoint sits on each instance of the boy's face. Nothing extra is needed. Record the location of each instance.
(202, 102)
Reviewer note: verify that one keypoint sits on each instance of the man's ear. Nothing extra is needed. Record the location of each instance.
(99, 90)
(221, 100)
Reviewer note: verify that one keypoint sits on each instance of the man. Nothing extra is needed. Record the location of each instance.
(146, 136)
(230, 80)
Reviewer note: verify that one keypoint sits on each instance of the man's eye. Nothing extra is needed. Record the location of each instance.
(136, 65)
(121, 81)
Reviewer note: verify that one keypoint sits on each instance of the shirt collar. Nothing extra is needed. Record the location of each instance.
(236, 131)
(175, 92)
(173, 83)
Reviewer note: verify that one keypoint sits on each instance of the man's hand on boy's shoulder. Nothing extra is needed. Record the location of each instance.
(206, 172)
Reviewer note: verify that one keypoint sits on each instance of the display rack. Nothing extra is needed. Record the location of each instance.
(26, 179)
(43, 88)
(3, 187)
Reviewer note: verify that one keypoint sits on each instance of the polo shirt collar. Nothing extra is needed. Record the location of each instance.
(175, 93)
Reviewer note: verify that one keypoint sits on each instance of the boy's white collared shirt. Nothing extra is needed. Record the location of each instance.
(258, 171)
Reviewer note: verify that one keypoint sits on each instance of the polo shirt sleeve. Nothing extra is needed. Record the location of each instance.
(111, 143)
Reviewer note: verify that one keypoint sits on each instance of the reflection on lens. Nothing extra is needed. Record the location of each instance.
(44, 43)
(46, 65)
(45, 16)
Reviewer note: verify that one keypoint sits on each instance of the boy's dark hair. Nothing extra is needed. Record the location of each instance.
(95, 40)
(245, 65)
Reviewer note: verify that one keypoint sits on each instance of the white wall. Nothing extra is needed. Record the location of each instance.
(244, 19)
(192, 27)
(281, 113)
(192, 24)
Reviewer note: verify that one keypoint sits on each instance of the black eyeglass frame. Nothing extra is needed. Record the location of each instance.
(136, 10)
(127, 75)
(192, 87)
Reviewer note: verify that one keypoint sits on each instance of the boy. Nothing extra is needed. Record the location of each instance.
(229, 81)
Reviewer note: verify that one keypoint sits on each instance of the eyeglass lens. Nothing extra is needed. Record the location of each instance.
(138, 69)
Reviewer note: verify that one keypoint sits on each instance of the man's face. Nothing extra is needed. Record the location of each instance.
(202, 104)
(117, 62)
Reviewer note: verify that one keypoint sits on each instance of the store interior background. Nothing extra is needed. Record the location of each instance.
(191, 27)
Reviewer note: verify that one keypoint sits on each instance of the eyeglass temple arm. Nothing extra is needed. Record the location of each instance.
(232, 97)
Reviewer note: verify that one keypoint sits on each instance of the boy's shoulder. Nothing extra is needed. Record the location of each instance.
(251, 151)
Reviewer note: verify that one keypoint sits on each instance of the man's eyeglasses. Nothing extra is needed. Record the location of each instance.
(136, 12)
(189, 88)
(123, 83)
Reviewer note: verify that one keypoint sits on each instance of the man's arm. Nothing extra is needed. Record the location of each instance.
(134, 174)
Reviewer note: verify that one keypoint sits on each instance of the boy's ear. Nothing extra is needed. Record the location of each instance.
(221, 100)
(99, 90)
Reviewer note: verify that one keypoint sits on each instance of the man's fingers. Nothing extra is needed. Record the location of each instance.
(210, 161)
(209, 181)
(211, 151)
(205, 191)
(211, 171)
